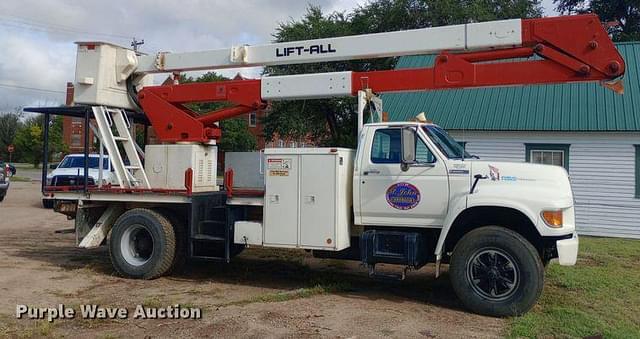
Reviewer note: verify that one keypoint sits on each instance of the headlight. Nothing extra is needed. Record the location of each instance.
(1, 175)
(553, 219)
(49, 180)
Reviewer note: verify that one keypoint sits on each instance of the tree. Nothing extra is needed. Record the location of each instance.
(235, 132)
(333, 121)
(9, 123)
(236, 136)
(29, 139)
(625, 12)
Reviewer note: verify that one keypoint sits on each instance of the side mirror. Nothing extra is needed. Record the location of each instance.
(408, 147)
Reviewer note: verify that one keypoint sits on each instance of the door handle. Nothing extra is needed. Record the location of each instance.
(371, 172)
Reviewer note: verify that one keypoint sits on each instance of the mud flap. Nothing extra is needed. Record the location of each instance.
(99, 232)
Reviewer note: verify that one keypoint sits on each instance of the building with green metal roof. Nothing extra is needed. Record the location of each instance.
(586, 128)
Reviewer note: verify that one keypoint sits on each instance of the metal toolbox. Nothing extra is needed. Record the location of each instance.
(308, 198)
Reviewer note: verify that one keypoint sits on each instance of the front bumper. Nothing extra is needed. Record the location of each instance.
(568, 250)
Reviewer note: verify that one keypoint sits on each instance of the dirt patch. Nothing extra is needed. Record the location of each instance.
(266, 293)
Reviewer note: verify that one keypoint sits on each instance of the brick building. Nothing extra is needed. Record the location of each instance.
(73, 128)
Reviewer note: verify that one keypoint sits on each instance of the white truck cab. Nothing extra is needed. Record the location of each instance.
(496, 223)
(440, 182)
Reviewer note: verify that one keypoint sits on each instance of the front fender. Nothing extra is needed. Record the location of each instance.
(529, 205)
(462, 206)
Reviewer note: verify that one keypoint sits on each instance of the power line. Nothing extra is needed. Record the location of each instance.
(35, 26)
(20, 22)
(31, 88)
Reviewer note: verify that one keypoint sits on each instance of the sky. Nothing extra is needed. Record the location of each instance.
(37, 36)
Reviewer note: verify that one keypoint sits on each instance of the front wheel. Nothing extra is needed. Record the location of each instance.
(497, 272)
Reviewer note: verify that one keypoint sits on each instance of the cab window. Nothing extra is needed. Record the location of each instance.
(386, 148)
(423, 154)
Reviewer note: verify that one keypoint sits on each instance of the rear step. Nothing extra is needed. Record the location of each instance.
(206, 237)
(210, 236)
(387, 276)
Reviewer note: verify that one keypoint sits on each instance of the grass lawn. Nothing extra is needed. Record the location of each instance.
(18, 178)
(600, 295)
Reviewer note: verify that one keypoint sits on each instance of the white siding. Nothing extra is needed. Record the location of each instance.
(602, 169)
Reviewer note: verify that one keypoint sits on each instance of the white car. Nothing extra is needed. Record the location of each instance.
(70, 172)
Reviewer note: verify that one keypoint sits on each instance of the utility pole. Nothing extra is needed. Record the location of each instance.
(135, 43)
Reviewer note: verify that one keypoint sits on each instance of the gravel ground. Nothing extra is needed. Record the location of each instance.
(262, 293)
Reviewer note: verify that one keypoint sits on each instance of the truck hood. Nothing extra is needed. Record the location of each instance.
(93, 173)
(524, 181)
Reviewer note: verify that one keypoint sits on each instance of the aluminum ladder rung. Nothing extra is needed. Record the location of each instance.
(125, 174)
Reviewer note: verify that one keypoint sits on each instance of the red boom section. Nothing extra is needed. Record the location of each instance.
(570, 49)
(173, 121)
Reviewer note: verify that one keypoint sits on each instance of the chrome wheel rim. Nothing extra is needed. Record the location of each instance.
(492, 274)
(136, 245)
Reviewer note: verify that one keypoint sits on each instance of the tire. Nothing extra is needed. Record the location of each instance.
(1, 198)
(496, 254)
(47, 203)
(142, 244)
(180, 231)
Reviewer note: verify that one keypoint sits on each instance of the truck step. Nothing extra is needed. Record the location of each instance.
(387, 276)
(213, 259)
(204, 237)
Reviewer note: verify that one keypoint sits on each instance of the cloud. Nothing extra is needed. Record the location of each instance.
(37, 35)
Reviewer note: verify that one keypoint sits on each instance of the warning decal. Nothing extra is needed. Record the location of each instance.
(278, 173)
(279, 163)
(279, 167)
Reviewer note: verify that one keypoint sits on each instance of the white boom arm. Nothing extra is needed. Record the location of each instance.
(97, 84)
(493, 34)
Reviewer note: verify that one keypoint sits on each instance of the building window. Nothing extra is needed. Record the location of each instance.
(637, 171)
(76, 139)
(253, 119)
(548, 154)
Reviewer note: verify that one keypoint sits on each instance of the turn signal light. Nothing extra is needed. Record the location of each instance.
(552, 218)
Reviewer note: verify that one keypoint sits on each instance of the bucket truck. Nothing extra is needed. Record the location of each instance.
(407, 196)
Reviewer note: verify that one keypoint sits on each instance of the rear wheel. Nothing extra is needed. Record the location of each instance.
(180, 231)
(142, 244)
(497, 272)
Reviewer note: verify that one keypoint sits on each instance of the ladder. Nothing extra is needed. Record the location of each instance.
(131, 175)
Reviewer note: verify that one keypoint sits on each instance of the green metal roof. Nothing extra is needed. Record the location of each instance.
(566, 107)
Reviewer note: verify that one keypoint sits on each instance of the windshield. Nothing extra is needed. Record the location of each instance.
(447, 145)
(78, 162)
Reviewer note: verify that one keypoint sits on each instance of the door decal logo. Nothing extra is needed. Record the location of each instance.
(403, 196)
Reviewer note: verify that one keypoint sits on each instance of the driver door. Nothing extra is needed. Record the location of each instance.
(390, 196)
